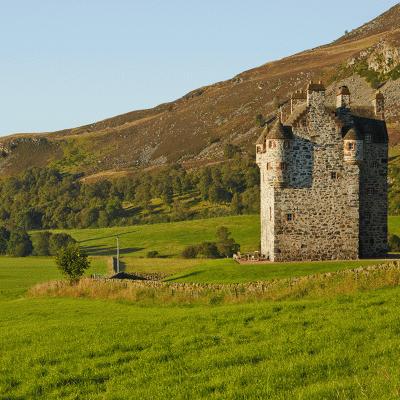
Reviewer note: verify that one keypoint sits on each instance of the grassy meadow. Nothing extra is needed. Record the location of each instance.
(343, 347)
(326, 345)
(229, 271)
(18, 274)
(169, 239)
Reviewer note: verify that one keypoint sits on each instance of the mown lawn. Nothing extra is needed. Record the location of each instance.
(345, 347)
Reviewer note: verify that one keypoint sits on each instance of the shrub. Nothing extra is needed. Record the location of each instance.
(258, 120)
(207, 250)
(72, 261)
(152, 254)
(189, 252)
(394, 243)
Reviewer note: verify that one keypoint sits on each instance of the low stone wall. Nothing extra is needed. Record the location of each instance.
(249, 287)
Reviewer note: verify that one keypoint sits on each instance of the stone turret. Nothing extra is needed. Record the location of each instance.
(378, 102)
(316, 95)
(343, 97)
(353, 147)
(278, 155)
(298, 97)
(343, 105)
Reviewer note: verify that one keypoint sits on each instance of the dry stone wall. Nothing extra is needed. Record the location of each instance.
(249, 287)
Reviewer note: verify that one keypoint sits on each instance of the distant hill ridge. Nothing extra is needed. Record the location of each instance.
(194, 129)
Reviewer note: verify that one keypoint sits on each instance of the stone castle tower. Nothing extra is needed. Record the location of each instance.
(324, 180)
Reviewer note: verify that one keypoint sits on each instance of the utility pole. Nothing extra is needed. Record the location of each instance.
(117, 254)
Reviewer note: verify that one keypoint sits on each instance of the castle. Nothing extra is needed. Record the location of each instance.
(324, 180)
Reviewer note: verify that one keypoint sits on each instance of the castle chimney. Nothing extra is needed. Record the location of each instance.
(298, 97)
(343, 105)
(378, 102)
(315, 95)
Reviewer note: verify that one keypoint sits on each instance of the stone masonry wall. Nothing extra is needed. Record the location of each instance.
(323, 207)
(249, 287)
(373, 200)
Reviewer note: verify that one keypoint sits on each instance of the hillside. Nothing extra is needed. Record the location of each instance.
(194, 129)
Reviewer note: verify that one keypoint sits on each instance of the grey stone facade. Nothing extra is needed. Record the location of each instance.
(324, 181)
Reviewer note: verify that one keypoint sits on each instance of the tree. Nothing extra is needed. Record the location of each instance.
(4, 238)
(40, 241)
(207, 250)
(72, 262)
(114, 208)
(394, 243)
(226, 245)
(230, 150)
(189, 252)
(259, 120)
(20, 244)
(59, 240)
(236, 204)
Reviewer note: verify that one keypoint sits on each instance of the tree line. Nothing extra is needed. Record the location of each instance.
(45, 198)
(18, 243)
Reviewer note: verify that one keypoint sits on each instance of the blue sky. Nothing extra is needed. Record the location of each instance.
(65, 64)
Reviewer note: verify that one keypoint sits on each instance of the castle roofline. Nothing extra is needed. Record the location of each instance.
(343, 90)
(279, 131)
(353, 134)
(315, 87)
(299, 94)
(261, 139)
(378, 95)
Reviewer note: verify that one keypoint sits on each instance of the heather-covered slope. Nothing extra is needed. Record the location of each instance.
(195, 128)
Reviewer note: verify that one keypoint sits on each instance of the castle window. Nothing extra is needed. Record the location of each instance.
(375, 164)
(269, 166)
(304, 122)
(286, 144)
(370, 191)
(259, 150)
(271, 144)
(367, 216)
(289, 217)
(333, 175)
(368, 138)
(351, 146)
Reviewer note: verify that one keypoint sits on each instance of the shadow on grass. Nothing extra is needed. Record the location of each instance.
(106, 237)
(393, 158)
(184, 276)
(110, 251)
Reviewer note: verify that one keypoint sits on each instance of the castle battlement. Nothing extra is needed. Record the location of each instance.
(324, 180)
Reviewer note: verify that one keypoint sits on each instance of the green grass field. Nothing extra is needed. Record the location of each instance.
(341, 347)
(394, 224)
(229, 271)
(18, 274)
(169, 239)
(346, 347)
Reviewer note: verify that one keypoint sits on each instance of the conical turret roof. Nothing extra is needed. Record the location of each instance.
(279, 131)
(353, 134)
